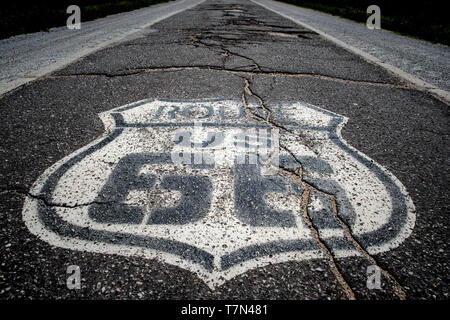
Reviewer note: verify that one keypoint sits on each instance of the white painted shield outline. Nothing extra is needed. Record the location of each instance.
(40, 219)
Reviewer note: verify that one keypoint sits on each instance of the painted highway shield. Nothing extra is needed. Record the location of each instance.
(202, 185)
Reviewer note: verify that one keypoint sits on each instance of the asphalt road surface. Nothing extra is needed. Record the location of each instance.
(27, 57)
(425, 60)
(137, 164)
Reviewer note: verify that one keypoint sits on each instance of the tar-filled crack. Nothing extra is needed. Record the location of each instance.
(48, 203)
(297, 177)
(268, 113)
(226, 53)
(236, 71)
(305, 196)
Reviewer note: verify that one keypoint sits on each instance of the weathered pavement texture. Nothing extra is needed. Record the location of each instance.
(425, 60)
(27, 57)
(230, 50)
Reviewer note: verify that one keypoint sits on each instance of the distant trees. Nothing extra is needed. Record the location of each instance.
(427, 19)
(25, 16)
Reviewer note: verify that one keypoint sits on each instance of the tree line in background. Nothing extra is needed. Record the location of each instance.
(20, 16)
(427, 20)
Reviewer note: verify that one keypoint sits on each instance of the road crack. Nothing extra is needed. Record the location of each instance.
(48, 203)
(297, 177)
(236, 71)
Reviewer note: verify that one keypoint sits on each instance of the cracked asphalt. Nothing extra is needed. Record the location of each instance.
(232, 49)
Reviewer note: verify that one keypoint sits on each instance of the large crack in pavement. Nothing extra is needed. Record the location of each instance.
(297, 177)
(274, 74)
(45, 201)
(305, 196)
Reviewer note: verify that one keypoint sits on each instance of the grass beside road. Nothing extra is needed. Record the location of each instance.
(427, 20)
(20, 16)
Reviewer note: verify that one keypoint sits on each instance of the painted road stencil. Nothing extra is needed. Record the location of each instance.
(202, 185)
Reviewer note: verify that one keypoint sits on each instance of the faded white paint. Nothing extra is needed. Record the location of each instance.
(220, 232)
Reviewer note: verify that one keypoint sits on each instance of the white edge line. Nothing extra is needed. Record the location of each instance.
(420, 84)
(16, 83)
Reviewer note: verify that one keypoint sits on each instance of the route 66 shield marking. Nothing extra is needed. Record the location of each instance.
(175, 181)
